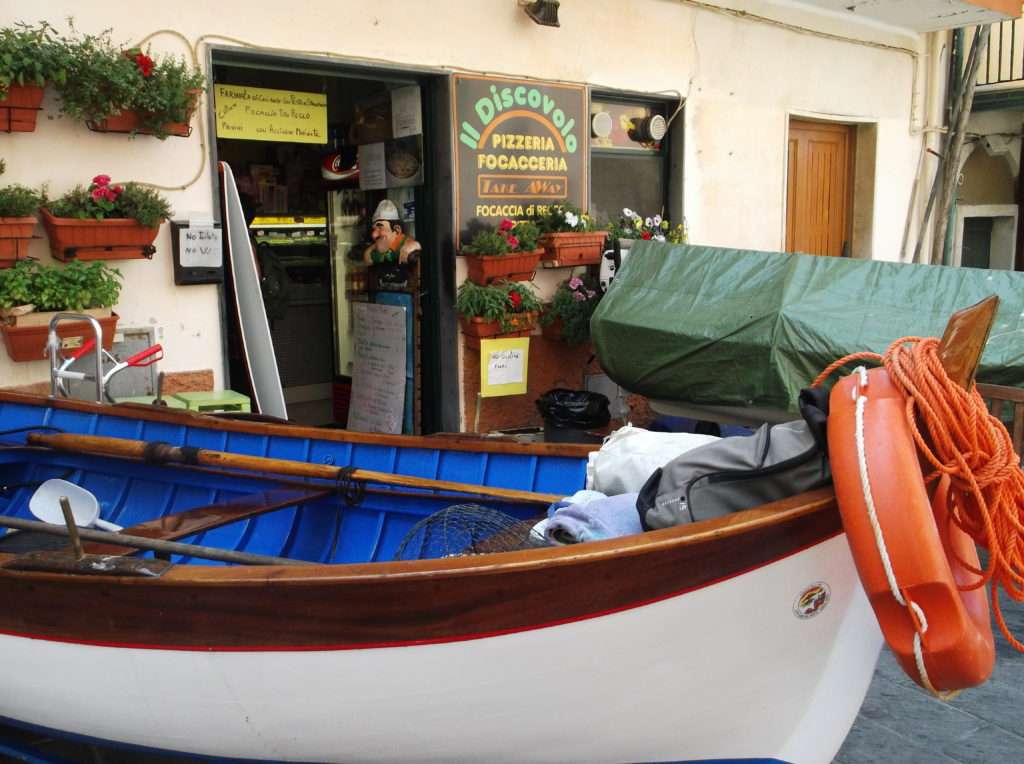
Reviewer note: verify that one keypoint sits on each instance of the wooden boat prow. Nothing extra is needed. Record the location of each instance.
(498, 657)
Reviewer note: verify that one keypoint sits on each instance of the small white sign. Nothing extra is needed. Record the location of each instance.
(505, 367)
(372, 172)
(200, 247)
(406, 113)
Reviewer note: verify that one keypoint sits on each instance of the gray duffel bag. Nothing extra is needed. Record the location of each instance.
(737, 473)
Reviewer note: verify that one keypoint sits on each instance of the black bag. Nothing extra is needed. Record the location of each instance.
(731, 474)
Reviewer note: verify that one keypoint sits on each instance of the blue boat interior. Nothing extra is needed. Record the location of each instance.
(324, 529)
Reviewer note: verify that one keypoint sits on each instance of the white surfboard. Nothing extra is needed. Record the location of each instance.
(257, 344)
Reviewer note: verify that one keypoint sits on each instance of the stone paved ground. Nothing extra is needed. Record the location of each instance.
(902, 724)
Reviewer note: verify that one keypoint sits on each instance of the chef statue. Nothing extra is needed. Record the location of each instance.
(390, 244)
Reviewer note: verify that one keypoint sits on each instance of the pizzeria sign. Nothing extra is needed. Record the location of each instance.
(520, 148)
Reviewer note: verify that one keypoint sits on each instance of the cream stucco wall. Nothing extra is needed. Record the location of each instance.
(742, 79)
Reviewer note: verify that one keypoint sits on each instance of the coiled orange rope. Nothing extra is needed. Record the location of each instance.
(957, 436)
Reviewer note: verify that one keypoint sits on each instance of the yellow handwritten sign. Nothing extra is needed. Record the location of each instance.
(503, 366)
(262, 114)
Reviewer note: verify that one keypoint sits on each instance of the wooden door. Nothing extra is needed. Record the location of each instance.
(819, 188)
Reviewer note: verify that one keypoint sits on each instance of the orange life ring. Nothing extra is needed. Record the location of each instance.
(941, 635)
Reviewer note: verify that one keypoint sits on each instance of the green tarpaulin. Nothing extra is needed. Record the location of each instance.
(727, 327)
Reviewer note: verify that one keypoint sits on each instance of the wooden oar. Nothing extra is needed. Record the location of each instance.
(163, 453)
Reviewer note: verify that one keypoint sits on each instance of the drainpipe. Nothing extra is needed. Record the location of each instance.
(956, 65)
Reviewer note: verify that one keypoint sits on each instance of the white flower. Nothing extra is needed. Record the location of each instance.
(648, 222)
(627, 213)
(657, 220)
(571, 219)
(658, 237)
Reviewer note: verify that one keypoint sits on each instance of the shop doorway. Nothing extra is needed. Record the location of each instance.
(308, 213)
(819, 188)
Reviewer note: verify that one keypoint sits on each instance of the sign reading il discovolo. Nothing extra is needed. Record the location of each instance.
(521, 146)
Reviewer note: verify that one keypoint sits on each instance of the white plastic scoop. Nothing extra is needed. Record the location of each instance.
(45, 504)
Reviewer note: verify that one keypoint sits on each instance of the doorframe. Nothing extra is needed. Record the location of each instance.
(438, 379)
(856, 121)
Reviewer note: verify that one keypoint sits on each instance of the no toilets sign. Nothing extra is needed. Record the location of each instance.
(521, 145)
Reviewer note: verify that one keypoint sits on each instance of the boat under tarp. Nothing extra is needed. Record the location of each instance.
(719, 327)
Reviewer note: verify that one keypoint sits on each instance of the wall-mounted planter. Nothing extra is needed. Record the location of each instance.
(518, 266)
(127, 121)
(20, 107)
(26, 338)
(572, 248)
(15, 235)
(109, 239)
(476, 329)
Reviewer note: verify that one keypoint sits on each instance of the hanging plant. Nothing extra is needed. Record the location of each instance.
(128, 90)
(30, 57)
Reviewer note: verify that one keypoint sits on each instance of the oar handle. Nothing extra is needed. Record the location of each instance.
(163, 452)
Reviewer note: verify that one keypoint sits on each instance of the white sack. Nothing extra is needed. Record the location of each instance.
(631, 454)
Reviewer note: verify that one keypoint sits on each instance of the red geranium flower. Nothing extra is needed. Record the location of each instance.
(145, 64)
(101, 180)
(513, 242)
(646, 235)
(506, 225)
(515, 300)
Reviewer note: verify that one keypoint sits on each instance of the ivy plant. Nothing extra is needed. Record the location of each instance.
(499, 301)
(75, 286)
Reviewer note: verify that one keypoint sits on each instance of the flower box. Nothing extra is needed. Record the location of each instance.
(20, 107)
(127, 121)
(26, 338)
(15, 235)
(571, 248)
(516, 266)
(476, 329)
(108, 239)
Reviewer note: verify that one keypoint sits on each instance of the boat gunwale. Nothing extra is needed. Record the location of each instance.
(735, 524)
(446, 442)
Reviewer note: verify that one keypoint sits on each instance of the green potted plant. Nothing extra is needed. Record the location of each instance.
(501, 309)
(567, 316)
(18, 205)
(105, 221)
(31, 294)
(30, 56)
(127, 91)
(508, 250)
(570, 236)
(632, 226)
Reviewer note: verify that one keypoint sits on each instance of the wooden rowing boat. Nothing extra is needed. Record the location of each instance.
(744, 637)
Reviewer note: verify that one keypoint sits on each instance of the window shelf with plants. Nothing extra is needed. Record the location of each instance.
(18, 205)
(105, 221)
(507, 251)
(127, 91)
(501, 309)
(30, 57)
(32, 294)
(570, 237)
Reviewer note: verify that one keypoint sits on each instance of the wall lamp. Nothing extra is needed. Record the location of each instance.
(543, 12)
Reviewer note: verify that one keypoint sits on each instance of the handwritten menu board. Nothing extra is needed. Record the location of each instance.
(263, 114)
(521, 146)
(378, 368)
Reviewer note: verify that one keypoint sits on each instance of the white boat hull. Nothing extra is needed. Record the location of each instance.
(726, 671)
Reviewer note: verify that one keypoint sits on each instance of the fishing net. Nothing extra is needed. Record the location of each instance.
(465, 529)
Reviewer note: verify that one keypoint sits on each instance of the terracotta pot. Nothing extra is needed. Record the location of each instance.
(20, 107)
(572, 248)
(127, 121)
(475, 329)
(552, 331)
(110, 239)
(518, 266)
(28, 343)
(15, 235)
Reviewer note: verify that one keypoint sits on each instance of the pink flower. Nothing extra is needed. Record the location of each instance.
(117, 190)
(101, 180)
(575, 282)
(506, 225)
(513, 242)
(108, 193)
(97, 194)
(579, 296)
